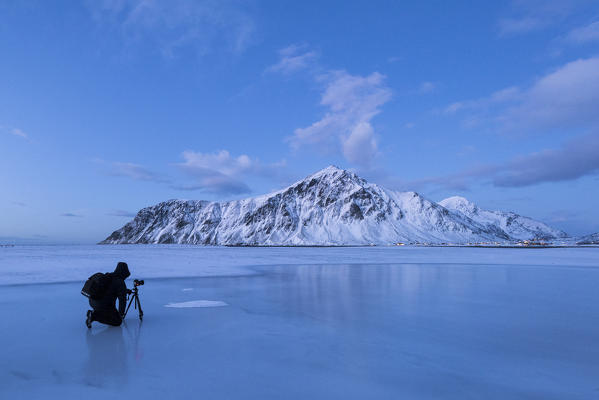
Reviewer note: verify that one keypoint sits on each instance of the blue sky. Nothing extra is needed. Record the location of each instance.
(110, 106)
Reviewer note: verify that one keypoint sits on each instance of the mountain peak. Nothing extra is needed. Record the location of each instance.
(334, 173)
(331, 169)
(458, 203)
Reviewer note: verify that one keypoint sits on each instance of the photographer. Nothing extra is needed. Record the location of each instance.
(104, 309)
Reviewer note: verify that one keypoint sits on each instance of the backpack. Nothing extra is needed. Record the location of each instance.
(96, 285)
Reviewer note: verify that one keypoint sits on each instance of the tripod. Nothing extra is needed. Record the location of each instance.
(134, 297)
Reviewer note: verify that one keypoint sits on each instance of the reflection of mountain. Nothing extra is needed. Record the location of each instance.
(330, 207)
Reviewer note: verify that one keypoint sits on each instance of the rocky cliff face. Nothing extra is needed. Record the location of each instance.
(330, 207)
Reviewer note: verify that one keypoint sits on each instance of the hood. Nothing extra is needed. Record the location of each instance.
(122, 270)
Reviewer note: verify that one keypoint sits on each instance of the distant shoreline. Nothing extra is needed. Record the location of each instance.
(568, 246)
(511, 246)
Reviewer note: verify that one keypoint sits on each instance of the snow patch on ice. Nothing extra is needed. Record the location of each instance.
(197, 304)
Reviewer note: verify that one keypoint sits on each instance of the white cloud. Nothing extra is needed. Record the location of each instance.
(221, 173)
(204, 25)
(18, 132)
(454, 107)
(514, 26)
(352, 102)
(504, 95)
(15, 132)
(223, 162)
(566, 97)
(360, 147)
(563, 101)
(292, 59)
(427, 87)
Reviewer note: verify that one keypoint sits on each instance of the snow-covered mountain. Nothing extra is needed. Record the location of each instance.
(514, 225)
(330, 207)
(589, 239)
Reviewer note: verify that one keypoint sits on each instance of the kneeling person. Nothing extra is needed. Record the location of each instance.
(105, 308)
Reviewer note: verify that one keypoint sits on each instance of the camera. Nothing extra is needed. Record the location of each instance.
(138, 282)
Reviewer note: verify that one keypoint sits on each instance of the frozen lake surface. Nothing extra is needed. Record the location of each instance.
(351, 323)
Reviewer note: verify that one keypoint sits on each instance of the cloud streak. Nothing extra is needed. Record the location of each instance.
(71, 215)
(16, 132)
(136, 172)
(584, 34)
(577, 158)
(121, 213)
(292, 59)
(217, 173)
(535, 15)
(204, 25)
(19, 133)
(515, 26)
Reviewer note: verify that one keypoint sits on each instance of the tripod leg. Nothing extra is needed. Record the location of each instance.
(129, 306)
(138, 303)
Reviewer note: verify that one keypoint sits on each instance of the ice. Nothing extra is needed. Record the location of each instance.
(351, 323)
(33, 264)
(197, 304)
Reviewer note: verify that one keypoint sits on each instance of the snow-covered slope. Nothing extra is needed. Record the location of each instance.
(589, 239)
(514, 225)
(330, 207)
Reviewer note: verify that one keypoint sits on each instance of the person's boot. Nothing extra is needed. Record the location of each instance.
(89, 319)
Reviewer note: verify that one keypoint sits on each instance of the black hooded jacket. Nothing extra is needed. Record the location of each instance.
(117, 289)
